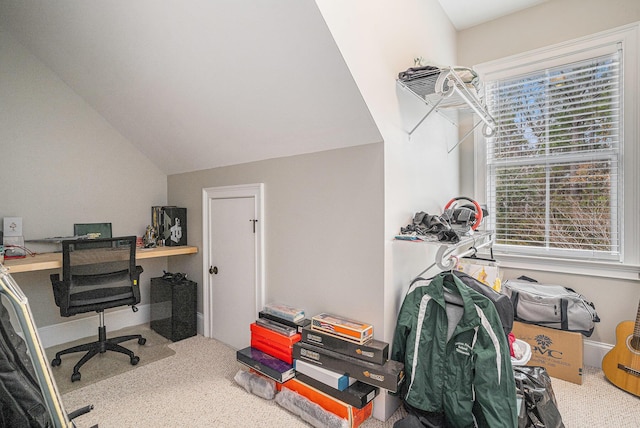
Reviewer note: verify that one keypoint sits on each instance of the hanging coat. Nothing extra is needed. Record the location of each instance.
(21, 400)
(468, 377)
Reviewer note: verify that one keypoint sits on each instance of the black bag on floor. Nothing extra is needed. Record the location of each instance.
(539, 408)
(417, 418)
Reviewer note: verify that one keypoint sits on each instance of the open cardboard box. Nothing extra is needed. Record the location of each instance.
(559, 352)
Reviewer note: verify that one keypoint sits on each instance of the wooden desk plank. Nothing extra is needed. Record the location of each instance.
(33, 263)
(46, 261)
(148, 253)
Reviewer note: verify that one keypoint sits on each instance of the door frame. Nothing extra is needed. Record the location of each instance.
(255, 191)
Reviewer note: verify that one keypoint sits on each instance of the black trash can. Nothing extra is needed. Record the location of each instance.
(174, 306)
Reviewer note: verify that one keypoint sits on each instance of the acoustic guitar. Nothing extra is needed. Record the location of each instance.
(621, 365)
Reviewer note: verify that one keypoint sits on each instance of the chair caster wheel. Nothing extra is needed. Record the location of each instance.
(142, 341)
(56, 362)
(135, 360)
(75, 377)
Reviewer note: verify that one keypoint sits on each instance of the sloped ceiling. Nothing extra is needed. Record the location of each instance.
(202, 83)
(205, 83)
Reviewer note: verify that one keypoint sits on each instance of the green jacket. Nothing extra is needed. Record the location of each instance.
(468, 377)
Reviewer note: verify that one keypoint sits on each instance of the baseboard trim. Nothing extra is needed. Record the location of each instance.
(69, 331)
(594, 352)
(75, 329)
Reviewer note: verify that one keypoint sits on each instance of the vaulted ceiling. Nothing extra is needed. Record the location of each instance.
(201, 83)
(198, 84)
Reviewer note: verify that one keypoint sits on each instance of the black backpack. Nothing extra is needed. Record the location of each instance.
(501, 302)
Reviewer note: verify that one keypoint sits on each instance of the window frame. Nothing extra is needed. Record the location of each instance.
(626, 38)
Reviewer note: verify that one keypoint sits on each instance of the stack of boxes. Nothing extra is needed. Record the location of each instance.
(272, 338)
(331, 360)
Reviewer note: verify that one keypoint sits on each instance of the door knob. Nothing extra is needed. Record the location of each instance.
(213, 270)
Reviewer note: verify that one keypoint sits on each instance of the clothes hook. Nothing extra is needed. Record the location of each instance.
(455, 263)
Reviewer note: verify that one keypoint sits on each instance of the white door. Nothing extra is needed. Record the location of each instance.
(232, 268)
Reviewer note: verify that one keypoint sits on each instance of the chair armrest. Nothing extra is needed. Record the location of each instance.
(60, 291)
(136, 284)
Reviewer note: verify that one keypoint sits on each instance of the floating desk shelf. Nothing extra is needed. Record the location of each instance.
(442, 90)
(46, 261)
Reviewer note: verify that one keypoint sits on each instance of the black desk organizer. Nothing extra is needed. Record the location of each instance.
(174, 306)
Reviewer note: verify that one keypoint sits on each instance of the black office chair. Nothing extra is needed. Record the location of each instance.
(97, 274)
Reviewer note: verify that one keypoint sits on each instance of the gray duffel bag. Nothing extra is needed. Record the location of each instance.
(551, 306)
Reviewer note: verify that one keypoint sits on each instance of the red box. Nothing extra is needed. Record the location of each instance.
(274, 351)
(273, 343)
(353, 415)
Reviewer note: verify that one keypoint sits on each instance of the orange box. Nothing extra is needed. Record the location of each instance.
(273, 336)
(273, 343)
(352, 415)
(284, 354)
(559, 352)
(345, 328)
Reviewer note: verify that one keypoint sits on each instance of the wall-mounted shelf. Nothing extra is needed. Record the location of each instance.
(443, 89)
(46, 261)
(447, 252)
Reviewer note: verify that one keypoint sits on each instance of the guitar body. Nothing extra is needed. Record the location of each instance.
(621, 365)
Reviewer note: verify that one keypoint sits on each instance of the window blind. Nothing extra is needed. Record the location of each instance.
(553, 167)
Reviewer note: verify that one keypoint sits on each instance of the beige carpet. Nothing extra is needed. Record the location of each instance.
(109, 364)
(195, 387)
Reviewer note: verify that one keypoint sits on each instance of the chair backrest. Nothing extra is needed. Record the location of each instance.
(98, 274)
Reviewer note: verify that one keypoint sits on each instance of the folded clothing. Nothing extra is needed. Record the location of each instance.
(418, 72)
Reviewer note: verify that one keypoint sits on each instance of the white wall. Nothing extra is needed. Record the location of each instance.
(546, 24)
(62, 164)
(542, 25)
(419, 174)
(413, 176)
(323, 223)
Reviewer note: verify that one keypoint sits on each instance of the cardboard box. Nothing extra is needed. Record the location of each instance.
(358, 395)
(170, 225)
(348, 329)
(560, 352)
(264, 363)
(297, 324)
(273, 343)
(374, 351)
(277, 327)
(270, 348)
(339, 381)
(273, 336)
(352, 415)
(389, 375)
(284, 311)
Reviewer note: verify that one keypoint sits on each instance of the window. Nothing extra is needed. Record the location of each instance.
(558, 177)
(553, 165)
